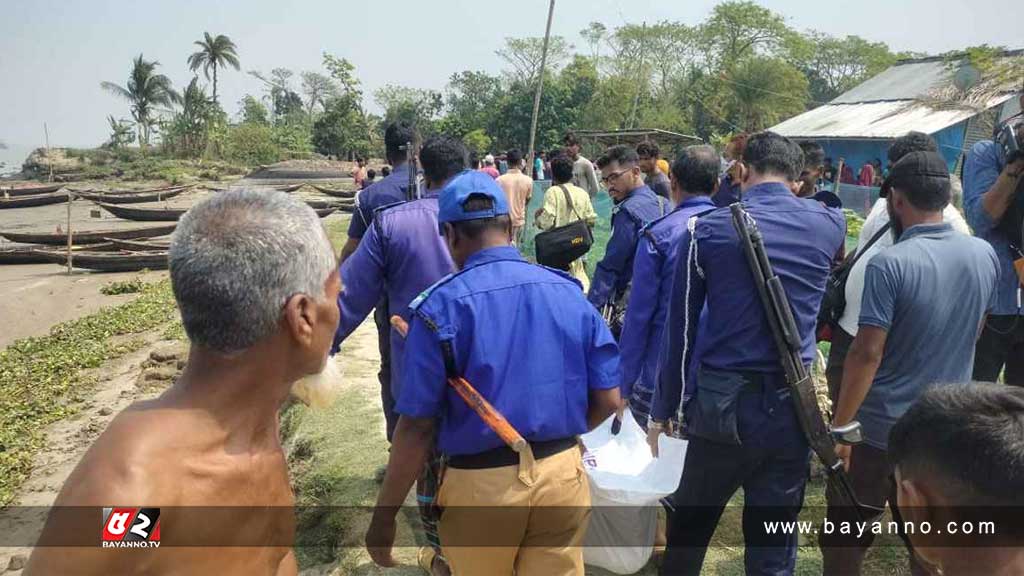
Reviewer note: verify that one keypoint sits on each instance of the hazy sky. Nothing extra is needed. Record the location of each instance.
(53, 54)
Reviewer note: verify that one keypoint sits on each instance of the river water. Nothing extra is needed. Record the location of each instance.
(12, 157)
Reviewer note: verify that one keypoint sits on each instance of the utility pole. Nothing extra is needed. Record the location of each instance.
(540, 85)
(639, 76)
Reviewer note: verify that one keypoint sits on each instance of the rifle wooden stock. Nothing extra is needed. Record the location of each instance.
(488, 413)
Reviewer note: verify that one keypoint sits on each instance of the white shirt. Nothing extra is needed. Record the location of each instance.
(877, 218)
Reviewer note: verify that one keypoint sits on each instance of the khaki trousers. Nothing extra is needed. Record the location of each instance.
(525, 520)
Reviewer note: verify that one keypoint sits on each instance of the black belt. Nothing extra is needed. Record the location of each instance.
(504, 456)
(758, 380)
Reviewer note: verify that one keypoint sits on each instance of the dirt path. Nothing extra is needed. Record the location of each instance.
(132, 377)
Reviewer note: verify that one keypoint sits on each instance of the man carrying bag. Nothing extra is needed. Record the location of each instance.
(567, 218)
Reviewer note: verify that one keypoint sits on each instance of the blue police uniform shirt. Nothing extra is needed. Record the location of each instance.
(522, 335)
(653, 269)
(801, 237)
(401, 256)
(615, 270)
(728, 192)
(981, 170)
(388, 191)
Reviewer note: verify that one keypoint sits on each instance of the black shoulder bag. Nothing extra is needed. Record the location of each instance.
(560, 246)
(833, 303)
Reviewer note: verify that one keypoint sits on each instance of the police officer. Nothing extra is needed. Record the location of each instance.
(391, 189)
(526, 339)
(741, 423)
(635, 206)
(694, 179)
(400, 256)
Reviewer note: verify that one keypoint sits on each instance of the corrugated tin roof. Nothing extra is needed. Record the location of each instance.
(901, 82)
(873, 120)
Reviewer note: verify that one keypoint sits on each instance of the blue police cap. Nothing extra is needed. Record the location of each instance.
(458, 190)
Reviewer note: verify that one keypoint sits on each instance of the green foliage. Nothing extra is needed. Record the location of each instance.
(121, 133)
(144, 92)
(132, 286)
(854, 223)
(197, 126)
(524, 55)
(834, 65)
(251, 144)
(253, 111)
(413, 105)
(214, 53)
(477, 141)
(44, 378)
(342, 130)
(765, 91)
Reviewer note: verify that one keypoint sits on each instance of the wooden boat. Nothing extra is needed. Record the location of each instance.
(35, 200)
(325, 212)
(22, 255)
(88, 236)
(35, 254)
(139, 245)
(336, 193)
(132, 198)
(288, 188)
(29, 190)
(120, 261)
(143, 214)
(128, 191)
(319, 204)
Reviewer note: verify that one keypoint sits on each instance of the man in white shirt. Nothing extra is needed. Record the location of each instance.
(844, 333)
(583, 174)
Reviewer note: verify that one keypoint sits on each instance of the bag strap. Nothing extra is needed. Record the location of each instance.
(568, 199)
(870, 243)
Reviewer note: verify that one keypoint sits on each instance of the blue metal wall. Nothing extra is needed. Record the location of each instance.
(857, 152)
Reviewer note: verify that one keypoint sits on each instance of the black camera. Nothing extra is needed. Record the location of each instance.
(1010, 137)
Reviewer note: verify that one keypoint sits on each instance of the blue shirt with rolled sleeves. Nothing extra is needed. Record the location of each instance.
(654, 268)
(801, 237)
(401, 255)
(981, 170)
(522, 335)
(392, 189)
(615, 270)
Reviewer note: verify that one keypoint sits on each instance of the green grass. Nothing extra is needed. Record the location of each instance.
(42, 379)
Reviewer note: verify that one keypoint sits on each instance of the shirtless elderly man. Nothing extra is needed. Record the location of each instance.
(255, 279)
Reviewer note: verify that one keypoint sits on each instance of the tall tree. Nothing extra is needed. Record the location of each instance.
(419, 107)
(525, 54)
(144, 92)
(595, 33)
(213, 53)
(765, 91)
(318, 89)
(471, 98)
(834, 65)
(736, 30)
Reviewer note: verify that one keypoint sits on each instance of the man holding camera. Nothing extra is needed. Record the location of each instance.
(993, 180)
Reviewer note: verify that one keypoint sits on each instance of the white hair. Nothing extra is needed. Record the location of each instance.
(237, 257)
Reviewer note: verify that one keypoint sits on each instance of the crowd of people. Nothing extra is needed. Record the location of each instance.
(670, 327)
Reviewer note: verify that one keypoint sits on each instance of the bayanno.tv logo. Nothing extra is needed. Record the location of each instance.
(131, 528)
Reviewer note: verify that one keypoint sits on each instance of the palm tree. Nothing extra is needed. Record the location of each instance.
(213, 53)
(145, 91)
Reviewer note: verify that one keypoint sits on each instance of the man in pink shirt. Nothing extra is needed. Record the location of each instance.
(489, 168)
(518, 189)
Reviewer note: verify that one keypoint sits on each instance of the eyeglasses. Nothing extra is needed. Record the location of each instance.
(613, 176)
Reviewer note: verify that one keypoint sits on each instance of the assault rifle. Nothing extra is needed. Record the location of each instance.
(787, 339)
(410, 162)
